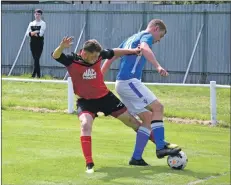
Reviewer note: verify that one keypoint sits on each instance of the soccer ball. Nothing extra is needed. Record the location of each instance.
(177, 162)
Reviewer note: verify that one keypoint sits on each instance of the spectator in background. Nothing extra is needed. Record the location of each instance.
(36, 31)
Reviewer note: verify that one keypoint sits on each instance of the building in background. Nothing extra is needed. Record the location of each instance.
(184, 23)
(113, 2)
(38, 2)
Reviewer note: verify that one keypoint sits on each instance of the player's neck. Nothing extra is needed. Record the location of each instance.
(83, 57)
(149, 31)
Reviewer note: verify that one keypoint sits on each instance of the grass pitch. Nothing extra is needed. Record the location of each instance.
(44, 148)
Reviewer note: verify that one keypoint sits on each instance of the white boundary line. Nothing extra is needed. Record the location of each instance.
(207, 178)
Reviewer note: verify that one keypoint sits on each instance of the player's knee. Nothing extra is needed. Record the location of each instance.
(158, 107)
(86, 123)
(146, 118)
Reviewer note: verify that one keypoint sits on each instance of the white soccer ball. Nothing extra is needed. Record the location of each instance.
(177, 162)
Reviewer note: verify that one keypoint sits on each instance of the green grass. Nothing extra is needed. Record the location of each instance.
(27, 75)
(44, 148)
(193, 102)
(181, 102)
(41, 95)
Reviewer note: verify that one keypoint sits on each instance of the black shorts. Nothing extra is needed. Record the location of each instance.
(108, 104)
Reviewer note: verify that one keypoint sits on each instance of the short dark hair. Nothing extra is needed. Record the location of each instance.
(38, 11)
(92, 46)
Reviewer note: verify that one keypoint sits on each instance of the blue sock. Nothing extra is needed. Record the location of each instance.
(142, 138)
(158, 133)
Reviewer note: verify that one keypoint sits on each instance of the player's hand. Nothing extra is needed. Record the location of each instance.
(138, 50)
(66, 42)
(162, 71)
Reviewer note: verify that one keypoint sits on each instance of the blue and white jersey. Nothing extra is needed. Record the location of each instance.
(131, 66)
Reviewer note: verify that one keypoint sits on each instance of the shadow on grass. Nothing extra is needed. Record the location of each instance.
(139, 173)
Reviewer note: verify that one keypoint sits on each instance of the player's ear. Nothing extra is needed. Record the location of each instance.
(158, 28)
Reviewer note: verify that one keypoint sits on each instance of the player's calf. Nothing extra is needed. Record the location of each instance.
(86, 140)
(129, 120)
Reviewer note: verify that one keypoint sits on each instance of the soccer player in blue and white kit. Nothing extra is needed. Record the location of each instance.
(137, 97)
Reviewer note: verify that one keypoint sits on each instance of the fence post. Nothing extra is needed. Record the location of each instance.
(193, 53)
(70, 96)
(19, 51)
(87, 20)
(76, 47)
(213, 108)
(204, 73)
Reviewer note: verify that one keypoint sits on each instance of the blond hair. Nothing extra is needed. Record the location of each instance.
(159, 23)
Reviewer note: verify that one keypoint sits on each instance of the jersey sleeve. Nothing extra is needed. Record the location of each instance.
(65, 59)
(107, 54)
(147, 38)
(42, 30)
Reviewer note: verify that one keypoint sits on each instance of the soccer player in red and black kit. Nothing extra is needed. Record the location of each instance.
(88, 84)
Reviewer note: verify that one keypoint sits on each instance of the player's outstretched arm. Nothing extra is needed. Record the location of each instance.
(106, 65)
(65, 43)
(120, 51)
(112, 56)
(149, 55)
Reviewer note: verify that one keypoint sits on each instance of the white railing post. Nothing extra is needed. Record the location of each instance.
(70, 96)
(213, 108)
(19, 51)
